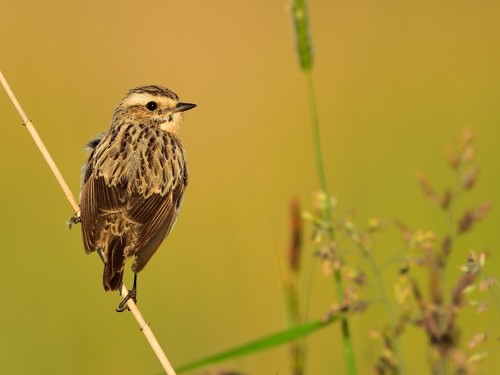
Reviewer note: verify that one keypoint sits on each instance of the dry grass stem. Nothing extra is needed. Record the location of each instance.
(144, 327)
(39, 143)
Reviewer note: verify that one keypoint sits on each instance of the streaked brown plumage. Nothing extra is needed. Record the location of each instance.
(134, 181)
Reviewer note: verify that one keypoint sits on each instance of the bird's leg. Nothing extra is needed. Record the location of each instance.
(132, 294)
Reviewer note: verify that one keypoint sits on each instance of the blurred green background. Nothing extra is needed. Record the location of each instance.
(395, 82)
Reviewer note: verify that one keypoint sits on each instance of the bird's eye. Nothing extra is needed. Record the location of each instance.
(152, 106)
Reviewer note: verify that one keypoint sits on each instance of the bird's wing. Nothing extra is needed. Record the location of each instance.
(98, 199)
(157, 214)
(152, 215)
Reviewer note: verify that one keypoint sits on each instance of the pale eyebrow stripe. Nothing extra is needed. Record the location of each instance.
(141, 99)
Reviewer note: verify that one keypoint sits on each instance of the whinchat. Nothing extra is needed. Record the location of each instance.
(133, 182)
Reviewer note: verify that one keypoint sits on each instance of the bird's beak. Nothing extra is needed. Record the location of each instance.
(182, 107)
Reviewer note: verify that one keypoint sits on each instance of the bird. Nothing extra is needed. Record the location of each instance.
(133, 183)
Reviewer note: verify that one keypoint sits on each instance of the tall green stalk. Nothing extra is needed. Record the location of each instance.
(320, 168)
(327, 217)
(305, 54)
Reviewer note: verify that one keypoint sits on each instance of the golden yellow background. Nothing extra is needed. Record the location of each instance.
(395, 82)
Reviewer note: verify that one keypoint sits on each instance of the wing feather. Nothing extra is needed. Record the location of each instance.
(98, 199)
(88, 215)
(158, 214)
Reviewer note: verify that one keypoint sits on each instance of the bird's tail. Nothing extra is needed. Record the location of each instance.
(113, 267)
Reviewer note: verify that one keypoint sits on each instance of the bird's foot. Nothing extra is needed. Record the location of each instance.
(132, 294)
(74, 220)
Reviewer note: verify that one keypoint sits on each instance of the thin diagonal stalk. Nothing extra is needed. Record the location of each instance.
(143, 326)
(389, 310)
(34, 134)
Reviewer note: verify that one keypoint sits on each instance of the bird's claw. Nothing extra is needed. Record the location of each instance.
(132, 294)
(74, 220)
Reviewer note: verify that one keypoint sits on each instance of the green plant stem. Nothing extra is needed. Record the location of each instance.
(389, 310)
(327, 217)
(443, 358)
(318, 154)
(346, 332)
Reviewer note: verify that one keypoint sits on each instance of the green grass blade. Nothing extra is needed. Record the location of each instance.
(264, 343)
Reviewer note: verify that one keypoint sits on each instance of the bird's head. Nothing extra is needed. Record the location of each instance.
(152, 106)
